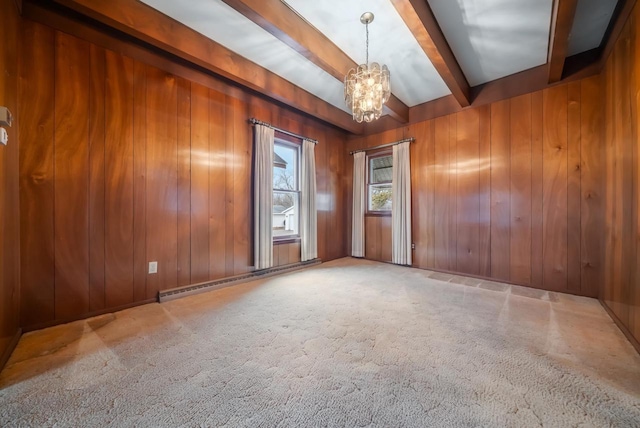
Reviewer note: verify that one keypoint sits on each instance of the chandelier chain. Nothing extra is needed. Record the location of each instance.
(367, 56)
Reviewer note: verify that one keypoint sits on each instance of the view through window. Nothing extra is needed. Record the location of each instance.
(286, 189)
(380, 175)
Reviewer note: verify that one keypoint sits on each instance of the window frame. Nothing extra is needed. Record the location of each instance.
(377, 154)
(285, 140)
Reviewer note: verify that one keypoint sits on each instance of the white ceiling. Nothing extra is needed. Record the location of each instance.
(589, 25)
(495, 38)
(489, 38)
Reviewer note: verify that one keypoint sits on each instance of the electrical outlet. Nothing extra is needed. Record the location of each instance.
(153, 267)
(413, 246)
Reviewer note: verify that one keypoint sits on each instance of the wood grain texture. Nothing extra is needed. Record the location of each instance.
(620, 169)
(184, 182)
(574, 186)
(162, 179)
(199, 232)
(441, 197)
(9, 184)
(140, 182)
(520, 208)
(536, 189)
(97, 179)
(468, 192)
(500, 190)
(484, 165)
(554, 234)
(37, 179)
(119, 181)
(592, 192)
(218, 186)
(71, 166)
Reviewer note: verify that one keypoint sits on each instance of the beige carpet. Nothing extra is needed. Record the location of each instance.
(347, 343)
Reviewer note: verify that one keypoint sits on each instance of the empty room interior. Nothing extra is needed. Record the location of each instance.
(330, 213)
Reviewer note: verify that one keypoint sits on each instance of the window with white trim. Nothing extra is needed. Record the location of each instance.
(379, 177)
(286, 190)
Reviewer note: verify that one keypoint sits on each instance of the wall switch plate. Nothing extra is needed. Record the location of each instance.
(4, 137)
(153, 267)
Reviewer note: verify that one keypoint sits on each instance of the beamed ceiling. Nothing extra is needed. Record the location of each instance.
(444, 55)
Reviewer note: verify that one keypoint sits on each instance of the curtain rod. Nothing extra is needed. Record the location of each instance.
(259, 122)
(406, 140)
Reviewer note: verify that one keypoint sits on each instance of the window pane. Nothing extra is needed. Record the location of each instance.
(380, 197)
(286, 213)
(381, 169)
(285, 167)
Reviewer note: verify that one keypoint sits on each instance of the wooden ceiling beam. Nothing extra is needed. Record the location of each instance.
(289, 27)
(420, 19)
(564, 11)
(144, 23)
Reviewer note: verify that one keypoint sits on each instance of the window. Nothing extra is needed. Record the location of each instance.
(286, 190)
(379, 177)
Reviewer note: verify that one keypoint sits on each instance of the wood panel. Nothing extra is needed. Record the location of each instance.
(592, 194)
(217, 182)
(200, 115)
(162, 179)
(621, 199)
(71, 167)
(520, 192)
(554, 187)
(148, 166)
(36, 90)
(500, 190)
(468, 192)
(97, 179)
(118, 205)
(184, 182)
(537, 189)
(9, 179)
(441, 197)
(574, 182)
(140, 182)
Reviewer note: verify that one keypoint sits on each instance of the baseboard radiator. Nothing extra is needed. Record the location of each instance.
(203, 287)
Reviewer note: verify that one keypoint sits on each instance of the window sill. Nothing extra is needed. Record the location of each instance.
(286, 240)
(378, 214)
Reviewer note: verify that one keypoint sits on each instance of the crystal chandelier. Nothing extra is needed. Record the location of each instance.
(367, 88)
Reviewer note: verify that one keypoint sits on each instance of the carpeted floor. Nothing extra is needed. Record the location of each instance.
(347, 343)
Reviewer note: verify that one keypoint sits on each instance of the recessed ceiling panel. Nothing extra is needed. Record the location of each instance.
(414, 80)
(222, 24)
(495, 38)
(589, 25)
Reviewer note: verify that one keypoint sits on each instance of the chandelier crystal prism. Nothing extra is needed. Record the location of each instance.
(367, 87)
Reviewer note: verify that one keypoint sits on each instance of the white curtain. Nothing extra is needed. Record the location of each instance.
(263, 197)
(401, 207)
(308, 213)
(357, 221)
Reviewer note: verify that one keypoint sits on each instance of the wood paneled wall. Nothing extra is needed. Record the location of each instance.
(510, 190)
(9, 201)
(123, 163)
(621, 286)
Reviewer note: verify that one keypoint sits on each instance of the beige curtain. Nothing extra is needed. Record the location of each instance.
(359, 200)
(401, 207)
(263, 197)
(308, 213)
